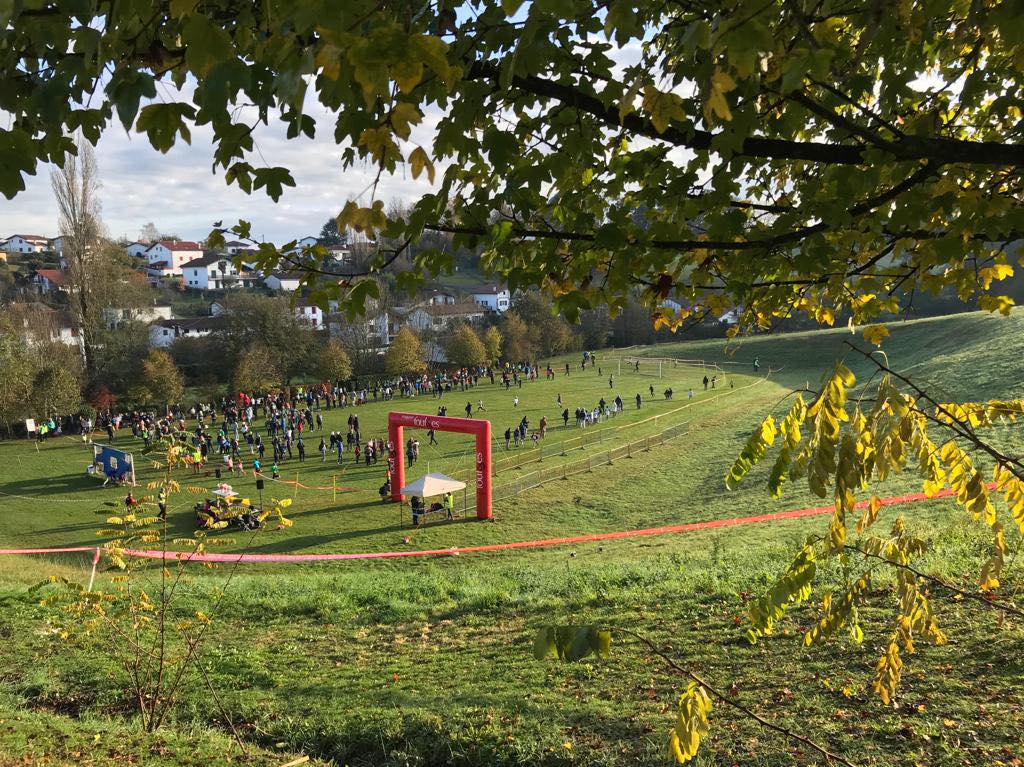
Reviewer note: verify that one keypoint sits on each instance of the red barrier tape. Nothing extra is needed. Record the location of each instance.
(454, 551)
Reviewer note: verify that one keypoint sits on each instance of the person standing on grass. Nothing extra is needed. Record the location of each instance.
(469, 410)
(713, 380)
(323, 451)
(565, 417)
(319, 422)
(611, 382)
(515, 402)
(480, 406)
(543, 426)
(433, 438)
(652, 391)
(636, 366)
(757, 364)
(508, 436)
(705, 383)
(559, 399)
(638, 400)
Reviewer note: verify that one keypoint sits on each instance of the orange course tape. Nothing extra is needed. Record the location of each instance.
(454, 551)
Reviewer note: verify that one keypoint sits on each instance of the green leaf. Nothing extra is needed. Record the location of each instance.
(127, 88)
(274, 180)
(163, 122)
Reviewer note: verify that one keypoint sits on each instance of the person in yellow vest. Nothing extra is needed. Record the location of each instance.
(449, 505)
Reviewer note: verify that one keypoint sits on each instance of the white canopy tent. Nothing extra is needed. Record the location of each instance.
(430, 485)
(433, 484)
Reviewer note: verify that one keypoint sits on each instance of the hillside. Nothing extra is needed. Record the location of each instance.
(427, 661)
(974, 355)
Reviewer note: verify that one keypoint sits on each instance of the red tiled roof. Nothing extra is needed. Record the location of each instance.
(56, 276)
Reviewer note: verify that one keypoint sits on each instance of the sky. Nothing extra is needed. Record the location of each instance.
(181, 195)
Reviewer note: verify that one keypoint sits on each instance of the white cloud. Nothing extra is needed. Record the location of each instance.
(181, 195)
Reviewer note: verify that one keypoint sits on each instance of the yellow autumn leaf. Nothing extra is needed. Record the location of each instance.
(662, 108)
(875, 334)
(1001, 304)
(420, 162)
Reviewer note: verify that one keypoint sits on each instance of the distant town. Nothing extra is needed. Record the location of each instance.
(179, 269)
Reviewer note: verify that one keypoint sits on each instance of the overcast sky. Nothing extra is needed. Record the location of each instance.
(181, 195)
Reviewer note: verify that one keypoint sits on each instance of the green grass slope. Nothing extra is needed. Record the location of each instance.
(427, 661)
(974, 355)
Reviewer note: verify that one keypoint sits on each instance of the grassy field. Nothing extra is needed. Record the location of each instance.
(427, 662)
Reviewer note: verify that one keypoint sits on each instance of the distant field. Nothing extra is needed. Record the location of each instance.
(53, 473)
(427, 662)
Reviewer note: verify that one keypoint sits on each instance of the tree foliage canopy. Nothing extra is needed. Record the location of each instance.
(464, 347)
(334, 363)
(405, 355)
(776, 155)
(492, 344)
(161, 381)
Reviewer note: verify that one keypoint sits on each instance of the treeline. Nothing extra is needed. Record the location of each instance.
(261, 344)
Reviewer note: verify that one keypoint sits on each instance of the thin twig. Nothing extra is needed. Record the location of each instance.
(977, 597)
(950, 421)
(736, 705)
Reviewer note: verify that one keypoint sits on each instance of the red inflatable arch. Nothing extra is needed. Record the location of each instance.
(481, 429)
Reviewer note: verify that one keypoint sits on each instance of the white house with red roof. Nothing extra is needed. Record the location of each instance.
(50, 280)
(26, 243)
(168, 256)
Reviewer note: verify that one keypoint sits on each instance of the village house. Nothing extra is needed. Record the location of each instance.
(493, 298)
(167, 257)
(215, 272)
(115, 317)
(236, 246)
(311, 314)
(26, 243)
(441, 316)
(57, 244)
(279, 281)
(138, 249)
(49, 281)
(163, 333)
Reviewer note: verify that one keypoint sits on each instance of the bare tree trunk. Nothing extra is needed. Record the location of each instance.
(75, 187)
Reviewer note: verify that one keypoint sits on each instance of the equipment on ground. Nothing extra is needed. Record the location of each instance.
(227, 510)
(113, 465)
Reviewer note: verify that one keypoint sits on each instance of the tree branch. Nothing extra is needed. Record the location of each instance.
(723, 698)
(976, 596)
(907, 148)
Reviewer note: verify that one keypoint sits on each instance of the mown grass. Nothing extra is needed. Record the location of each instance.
(427, 662)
